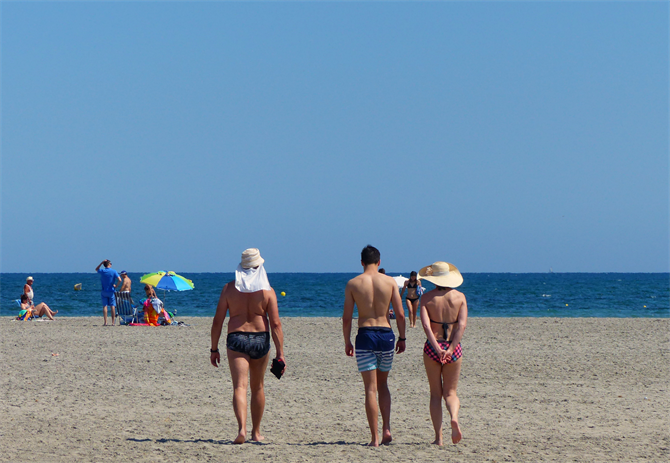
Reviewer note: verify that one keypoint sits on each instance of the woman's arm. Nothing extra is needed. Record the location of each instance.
(460, 327)
(425, 321)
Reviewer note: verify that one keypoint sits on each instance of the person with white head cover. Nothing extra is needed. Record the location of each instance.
(28, 288)
(444, 314)
(253, 313)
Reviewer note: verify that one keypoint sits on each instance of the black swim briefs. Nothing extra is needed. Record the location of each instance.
(255, 345)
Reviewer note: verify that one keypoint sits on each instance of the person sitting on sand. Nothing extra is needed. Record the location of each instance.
(149, 291)
(373, 292)
(28, 288)
(444, 314)
(253, 312)
(35, 310)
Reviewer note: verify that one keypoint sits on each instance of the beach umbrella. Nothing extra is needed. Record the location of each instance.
(168, 281)
(400, 281)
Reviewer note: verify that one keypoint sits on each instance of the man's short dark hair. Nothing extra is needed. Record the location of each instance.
(370, 255)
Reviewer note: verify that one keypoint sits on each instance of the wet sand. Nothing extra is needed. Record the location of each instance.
(538, 389)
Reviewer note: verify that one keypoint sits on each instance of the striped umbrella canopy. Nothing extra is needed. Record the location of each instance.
(168, 281)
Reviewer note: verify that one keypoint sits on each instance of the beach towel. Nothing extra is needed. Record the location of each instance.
(25, 315)
(150, 315)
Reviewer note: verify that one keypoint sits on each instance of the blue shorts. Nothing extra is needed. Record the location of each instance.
(374, 348)
(109, 300)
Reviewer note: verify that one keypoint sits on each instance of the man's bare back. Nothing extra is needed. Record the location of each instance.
(372, 292)
(125, 285)
(248, 311)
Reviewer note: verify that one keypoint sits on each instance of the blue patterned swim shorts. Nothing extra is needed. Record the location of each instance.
(374, 348)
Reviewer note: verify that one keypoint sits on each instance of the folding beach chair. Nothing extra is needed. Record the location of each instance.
(125, 308)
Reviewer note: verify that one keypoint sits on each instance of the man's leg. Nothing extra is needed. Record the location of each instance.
(450, 374)
(257, 369)
(113, 314)
(384, 405)
(239, 370)
(104, 315)
(371, 409)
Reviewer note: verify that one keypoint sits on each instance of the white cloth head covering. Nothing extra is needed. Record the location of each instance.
(250, 280)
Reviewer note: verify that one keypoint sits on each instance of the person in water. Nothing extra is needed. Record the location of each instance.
(444, 314)
(35, 310)
(372, 292)
(412, 298)
(254, 316)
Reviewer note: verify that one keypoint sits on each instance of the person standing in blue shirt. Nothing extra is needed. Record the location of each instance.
(107, 278)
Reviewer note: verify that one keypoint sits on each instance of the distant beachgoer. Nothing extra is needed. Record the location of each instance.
(107, 278)
(253, 312)
(149, 291)
(372, 292)
(35, 310)
(412, 298)
(125, 283)
(382, 271)
(28, 288)
(444, 314)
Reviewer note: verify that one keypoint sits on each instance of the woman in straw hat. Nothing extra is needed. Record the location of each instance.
(444, 314)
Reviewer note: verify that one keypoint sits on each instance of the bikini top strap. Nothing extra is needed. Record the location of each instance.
(445, 327)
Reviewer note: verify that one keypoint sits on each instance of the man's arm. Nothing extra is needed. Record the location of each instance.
(347, 317)
(275, 326)
(118, 278)
(399, 318)
(100, 265)
(217, 326)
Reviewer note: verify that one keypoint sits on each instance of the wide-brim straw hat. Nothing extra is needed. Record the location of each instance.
(251, 258)
(30, 279)
(442, 274)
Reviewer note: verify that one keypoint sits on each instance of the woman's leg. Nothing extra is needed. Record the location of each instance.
(450, 374)
(434, 373)
(415, 304)
(410, 312)
(239, 371)
(43, 309)
(257, 369)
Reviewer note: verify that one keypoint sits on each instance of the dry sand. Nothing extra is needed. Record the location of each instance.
(538, 389)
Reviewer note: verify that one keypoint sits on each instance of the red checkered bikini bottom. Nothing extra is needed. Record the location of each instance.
(430, 352)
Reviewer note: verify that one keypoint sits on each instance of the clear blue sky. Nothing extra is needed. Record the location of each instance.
(502, 137)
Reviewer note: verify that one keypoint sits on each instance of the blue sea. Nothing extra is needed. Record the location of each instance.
(322, 294)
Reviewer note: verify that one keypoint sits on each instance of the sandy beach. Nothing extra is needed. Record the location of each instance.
(539, 389)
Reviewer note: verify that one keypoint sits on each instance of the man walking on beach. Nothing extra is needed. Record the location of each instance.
(253, 312)
(107, 277)
(372, 292)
